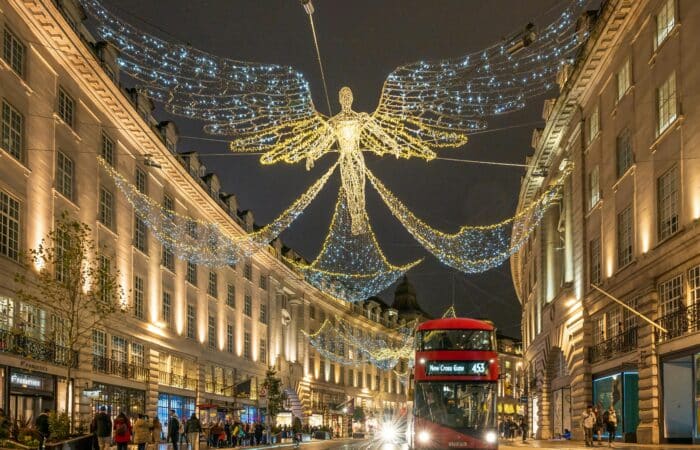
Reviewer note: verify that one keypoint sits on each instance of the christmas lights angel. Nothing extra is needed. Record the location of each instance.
(423, 106)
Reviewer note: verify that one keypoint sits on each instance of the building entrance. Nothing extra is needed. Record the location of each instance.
(30, 393)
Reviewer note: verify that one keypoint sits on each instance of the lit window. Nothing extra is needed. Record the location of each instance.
(14, 52)
(212, 288)
(671, 295)
(66, 107)
(667, 194)
(593, 187)
(623, 79)
(166, 310)
(625, 157)
(211, 332)
(12, 130)
(137, 355)
(191, 321)
(106, 211)
(107, 149)
(665, 21)
(64, 175)
(666, 104)
(595, 261)
(625, 237)
(593, 123)
(139, 293)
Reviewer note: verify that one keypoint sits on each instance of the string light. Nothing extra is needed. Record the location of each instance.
(474, 249)
(203, 242)
(350, 266)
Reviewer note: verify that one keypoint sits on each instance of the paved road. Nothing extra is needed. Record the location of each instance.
(579, 445)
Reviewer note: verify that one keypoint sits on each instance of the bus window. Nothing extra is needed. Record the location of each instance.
(455, 340)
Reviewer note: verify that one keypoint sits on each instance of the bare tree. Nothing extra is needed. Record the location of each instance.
(75, 284)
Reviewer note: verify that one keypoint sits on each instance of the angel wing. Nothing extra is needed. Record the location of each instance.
(438, 103)
(233, 97)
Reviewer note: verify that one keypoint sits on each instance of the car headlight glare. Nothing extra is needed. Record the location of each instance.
(423, 437)
(491, 437)
(388, 433)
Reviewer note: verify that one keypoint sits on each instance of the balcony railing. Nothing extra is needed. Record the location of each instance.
(178, 381)
(32, 348)
(622, 343)
(683, 321)
(122, 369)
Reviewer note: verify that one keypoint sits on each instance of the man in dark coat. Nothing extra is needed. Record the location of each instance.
(174, 429)
(42, 426)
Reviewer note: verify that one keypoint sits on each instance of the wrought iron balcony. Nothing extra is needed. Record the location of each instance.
(178, 381)
(684, 320)
(122, 369)
(622, 343)
(40, 350)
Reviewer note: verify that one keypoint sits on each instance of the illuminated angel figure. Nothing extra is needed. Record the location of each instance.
(423, 105)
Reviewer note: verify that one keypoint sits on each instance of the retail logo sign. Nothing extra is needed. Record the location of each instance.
(26, 381)
(457, 368)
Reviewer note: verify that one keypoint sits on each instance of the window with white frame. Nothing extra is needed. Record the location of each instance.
(107, 149)
(140, 233)
(105, 270)
(106, 208)
(593, 124)
(248, 305)
(665, 21)
(263, 314)
(613, 322)
(137, 355)
(229, 338)
(166, 308)
(139, 298)
(211, 332)
(247, 353)
(593, 187)
(7, 313)
(599, 329)
(14, 52)
(594, 261)
(625, 237)
(64, 175)
(624, 154)
(212, 286)
(9, 226)
(191, 321)
(694, 285)
(99, 343)
(629, 319)
(12, 131)
(33, 320)
(192, 273)
(668, 203)
(231, 295)
(66, 107)
(60, 268)
(624, 79)
(671, 295)
(666, 104)
(119, 349)
(141, 181)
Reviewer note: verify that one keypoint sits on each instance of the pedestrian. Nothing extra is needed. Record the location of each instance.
(258, 433)
(42, 426)
(227, 431)
(101, 427)
(173, 429)
(142, 432)
(588, 420)
(4, 424)
(193, 428)
(599, 425)
(235, 433)
(122, 431)
(156, 431)
(523, 428)
(611, 424)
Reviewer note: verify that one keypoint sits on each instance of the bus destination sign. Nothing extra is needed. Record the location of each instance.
(456, 368)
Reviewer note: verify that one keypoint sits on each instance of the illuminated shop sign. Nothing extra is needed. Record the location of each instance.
(26, 381)
(457, 368)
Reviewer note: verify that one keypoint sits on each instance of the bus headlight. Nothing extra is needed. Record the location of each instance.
(423, 437)
(388, 433)
(491, 437)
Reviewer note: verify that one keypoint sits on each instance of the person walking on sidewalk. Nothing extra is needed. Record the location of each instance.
(42, 426)
(610, 420)
(122, 431)
(173, 429)
(193, 428)
(101, 426)
(156, 431)
(599, 424)
(142, 432)
(588, 420)
(523, 427)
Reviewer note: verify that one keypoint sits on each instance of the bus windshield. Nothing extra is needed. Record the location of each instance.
(455, 340)
(464, 406)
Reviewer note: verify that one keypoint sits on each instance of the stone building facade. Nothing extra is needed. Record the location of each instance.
(192, 333)
(627, 119)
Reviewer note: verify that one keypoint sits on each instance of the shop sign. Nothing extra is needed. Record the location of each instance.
(457, 368)
(26, 381)
(92, 393)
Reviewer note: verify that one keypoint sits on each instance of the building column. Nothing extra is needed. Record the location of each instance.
(545, 419)
(296, 304)
(648, 431)
(153, 364)
(580, 370)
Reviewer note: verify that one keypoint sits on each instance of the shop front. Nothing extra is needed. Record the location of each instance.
(116, 399)
(29, 393)
(620, 389)
(681, 398)
(183, 406)
(534, 408)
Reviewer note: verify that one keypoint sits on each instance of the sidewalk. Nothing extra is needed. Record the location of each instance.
(287, 443)
(578, 445)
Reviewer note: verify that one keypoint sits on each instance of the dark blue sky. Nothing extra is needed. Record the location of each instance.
(361, 42)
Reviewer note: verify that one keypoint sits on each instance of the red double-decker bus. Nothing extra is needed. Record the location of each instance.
(456, 376)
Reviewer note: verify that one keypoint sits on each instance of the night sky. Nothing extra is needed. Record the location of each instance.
(361, 42)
